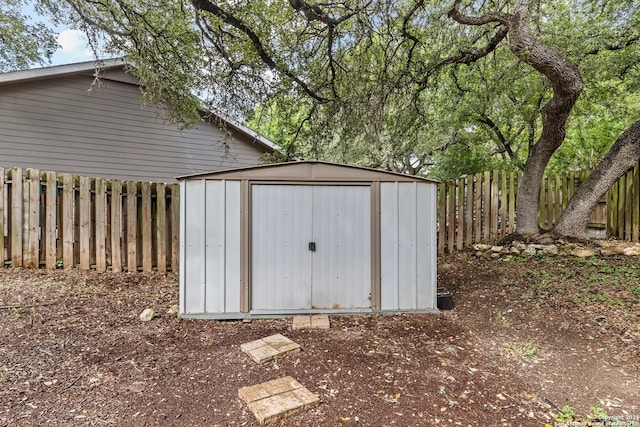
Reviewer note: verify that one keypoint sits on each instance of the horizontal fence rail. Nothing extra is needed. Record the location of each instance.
(62, 220)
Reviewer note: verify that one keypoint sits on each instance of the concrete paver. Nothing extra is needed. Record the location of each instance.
(269, 348)
(314, 321)
(277, 399)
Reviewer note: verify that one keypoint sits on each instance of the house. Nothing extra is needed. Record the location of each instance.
(59, 118)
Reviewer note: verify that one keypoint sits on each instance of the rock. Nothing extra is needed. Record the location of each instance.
(536, 246)
(612, 250)
(515, 251)
(632, 250)
(147, 314)
(497, 249)
(488, 254)
(495, 255)
(582, 253)
(173, 309)
(481, 247)
(520, 246)
(547, 241)
(550, 249)
(530, 250)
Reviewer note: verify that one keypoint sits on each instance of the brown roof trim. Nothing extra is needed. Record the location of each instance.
(253, 172)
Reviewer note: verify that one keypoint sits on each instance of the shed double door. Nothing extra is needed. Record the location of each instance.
(310, 247)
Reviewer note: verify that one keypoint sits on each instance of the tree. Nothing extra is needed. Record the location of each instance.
(371, 75)
(23, 43)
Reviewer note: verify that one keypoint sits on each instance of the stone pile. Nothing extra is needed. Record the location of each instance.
(553, 248)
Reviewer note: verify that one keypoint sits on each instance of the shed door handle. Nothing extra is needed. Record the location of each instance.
(312, 246)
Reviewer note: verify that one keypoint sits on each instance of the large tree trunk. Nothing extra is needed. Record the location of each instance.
(623, 156)
(567, 85)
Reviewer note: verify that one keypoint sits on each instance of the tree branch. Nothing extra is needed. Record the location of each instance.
(230, 19)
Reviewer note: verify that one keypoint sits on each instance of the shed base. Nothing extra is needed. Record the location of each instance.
(288, 313)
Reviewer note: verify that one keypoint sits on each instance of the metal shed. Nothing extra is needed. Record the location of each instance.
(306, 237)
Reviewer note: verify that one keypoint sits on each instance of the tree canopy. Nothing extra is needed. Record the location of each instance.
(400, 83)
(23, 42)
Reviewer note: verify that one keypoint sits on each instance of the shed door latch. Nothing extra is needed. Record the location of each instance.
(312, 246)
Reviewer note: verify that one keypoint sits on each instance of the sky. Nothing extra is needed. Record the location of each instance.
(73, 43)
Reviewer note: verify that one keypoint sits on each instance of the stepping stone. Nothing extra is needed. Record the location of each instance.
(315, 321)
(269, 348)
(277, 399)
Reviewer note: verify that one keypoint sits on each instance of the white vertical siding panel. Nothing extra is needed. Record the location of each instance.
(232, 247)
(407, 246)
(426, 246)
(341, 273)
(182, 238)
(193, 262)
(389, 246)
(281, 261)
(214, 255)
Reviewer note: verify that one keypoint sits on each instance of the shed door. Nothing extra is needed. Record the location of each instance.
(311, 247)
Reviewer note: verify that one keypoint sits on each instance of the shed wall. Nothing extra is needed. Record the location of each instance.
(59, 124)
(210, 277)
(408, 246)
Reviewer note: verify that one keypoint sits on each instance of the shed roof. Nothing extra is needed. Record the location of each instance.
(309, 170)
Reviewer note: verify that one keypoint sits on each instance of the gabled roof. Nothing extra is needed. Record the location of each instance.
(99, 68)
(309, 170)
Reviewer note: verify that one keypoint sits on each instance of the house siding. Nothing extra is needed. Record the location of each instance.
(67, 124)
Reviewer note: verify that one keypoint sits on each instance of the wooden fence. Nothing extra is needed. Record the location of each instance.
(481, 208)
(61, 220)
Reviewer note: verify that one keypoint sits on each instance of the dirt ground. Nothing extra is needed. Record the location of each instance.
(525, 338)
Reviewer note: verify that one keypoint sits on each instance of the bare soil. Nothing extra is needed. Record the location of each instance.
(526, 337)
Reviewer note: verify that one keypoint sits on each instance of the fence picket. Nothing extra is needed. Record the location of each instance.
(85, 222)
(68, 217)
(442, 216)
(468, 231)
(116, 226)
(512, 202)
(101, 224)
(16, 217)
(161, 228)
(486, 205)
(461, 212)
(175, 227)
(636, 203)
(132, 211)
(145, 192)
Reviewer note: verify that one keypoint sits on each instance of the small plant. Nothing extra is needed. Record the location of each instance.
(526, 349)
(565, 414)
(597, 413)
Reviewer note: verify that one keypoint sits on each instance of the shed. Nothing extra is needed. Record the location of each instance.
(306, 237)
